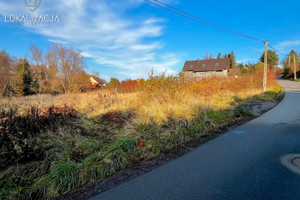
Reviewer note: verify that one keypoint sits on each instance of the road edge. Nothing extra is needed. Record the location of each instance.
(147, 166)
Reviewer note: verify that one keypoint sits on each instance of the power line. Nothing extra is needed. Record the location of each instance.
(197, 19)
(208, 23)
(203, 21)
(158, 5)
(276, 50)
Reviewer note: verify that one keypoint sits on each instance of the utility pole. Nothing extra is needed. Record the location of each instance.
(289, 60)
(295, 71)
(265, 66)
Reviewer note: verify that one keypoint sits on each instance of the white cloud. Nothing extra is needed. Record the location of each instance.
(105, 77)
(143, 47)
(57, 41)
(282, 46)
(105, 33)
(154, 20)
(87, 55)
(142, 65)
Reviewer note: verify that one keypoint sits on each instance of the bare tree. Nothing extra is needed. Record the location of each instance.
(36, 55)
(51, 58)
(39, 69)
(6, 67)
(208, 57)
(69, 64)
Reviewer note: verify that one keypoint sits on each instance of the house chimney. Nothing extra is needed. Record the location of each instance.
(198, 61)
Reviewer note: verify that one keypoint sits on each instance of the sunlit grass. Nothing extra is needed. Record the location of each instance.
(155, 99)
(112, 129)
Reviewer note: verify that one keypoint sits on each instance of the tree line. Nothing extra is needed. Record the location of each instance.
(273, 61)
(58, 70)
(288, 64)
(231, 56)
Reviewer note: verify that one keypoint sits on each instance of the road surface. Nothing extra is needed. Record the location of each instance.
(242, 164)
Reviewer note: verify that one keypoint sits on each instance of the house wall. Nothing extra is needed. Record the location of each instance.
(200, 75)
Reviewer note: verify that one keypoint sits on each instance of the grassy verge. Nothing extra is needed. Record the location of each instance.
(270, 95)
(49, 151)
(292, 79)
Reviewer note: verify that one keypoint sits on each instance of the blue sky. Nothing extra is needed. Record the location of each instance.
(127, 38)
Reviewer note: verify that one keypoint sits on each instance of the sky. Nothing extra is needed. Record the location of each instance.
(127, 38)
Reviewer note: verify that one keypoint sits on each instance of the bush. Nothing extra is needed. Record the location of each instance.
(20, 140)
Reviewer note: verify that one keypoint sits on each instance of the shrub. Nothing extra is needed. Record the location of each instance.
(20, 140)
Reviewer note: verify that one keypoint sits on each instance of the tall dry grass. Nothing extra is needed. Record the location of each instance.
(155, 99)
(51, 150)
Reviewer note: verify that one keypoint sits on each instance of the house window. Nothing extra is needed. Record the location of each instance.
(191, 66)
(203, 65)
(217, 64)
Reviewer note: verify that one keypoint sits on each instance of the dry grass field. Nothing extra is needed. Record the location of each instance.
(156, 99)
(51, 145)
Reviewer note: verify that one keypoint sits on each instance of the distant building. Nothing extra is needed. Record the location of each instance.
(198, 69)
(234, 72)
(96, 82)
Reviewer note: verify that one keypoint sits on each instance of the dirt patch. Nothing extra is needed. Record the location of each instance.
(259, 108)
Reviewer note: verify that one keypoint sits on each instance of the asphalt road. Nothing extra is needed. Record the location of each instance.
(244, 163)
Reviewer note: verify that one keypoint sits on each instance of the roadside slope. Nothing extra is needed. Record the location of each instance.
(244, 163)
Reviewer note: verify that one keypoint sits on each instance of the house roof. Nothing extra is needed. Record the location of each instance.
(206, 65)
(95, 79)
